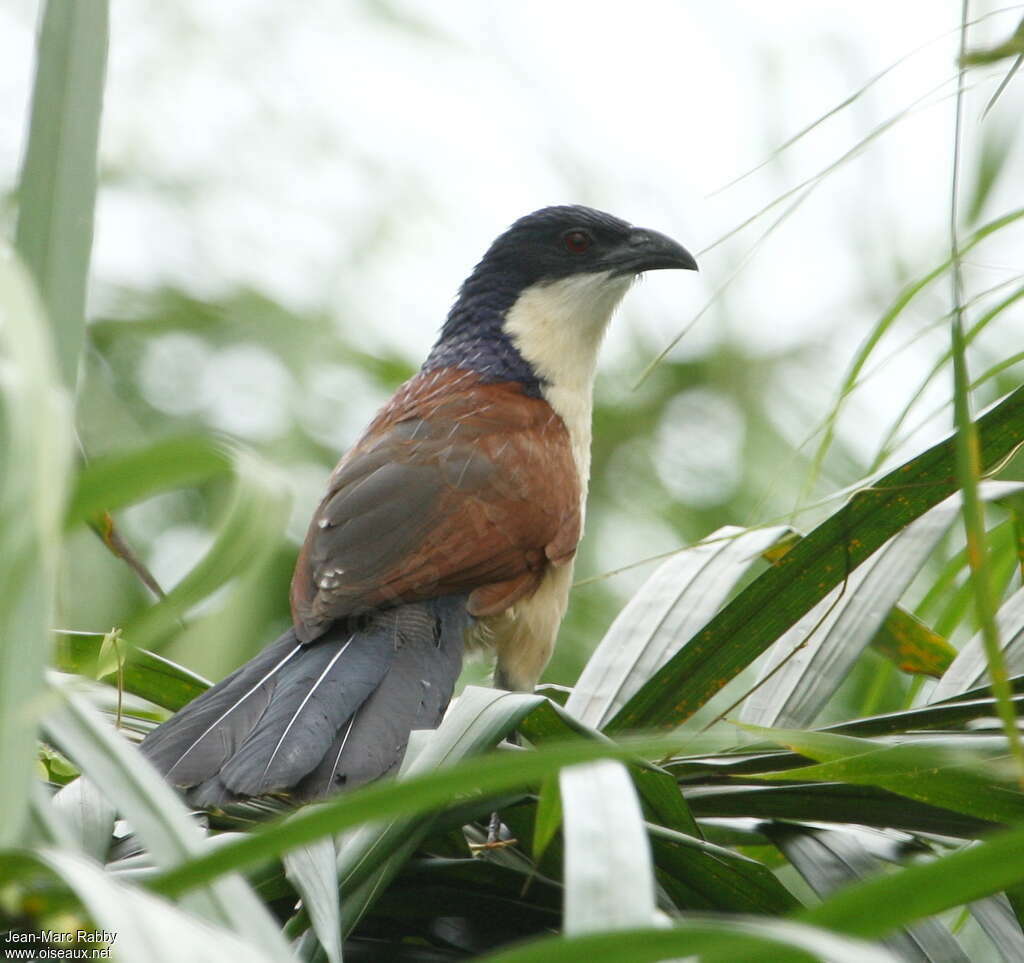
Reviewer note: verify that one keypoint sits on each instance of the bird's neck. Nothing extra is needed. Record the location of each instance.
(558, 328)
(546, 337)
(474, 338)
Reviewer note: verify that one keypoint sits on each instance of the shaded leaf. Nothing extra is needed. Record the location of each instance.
(311, 869)
(905, 640)
(146, 927)
(609, 879)
(829, 859)
(35, 438)
(153, 809)
(808, 572)
(145, 673)
(679, 597)
(970, 668)
(57, 191)
(930, 774)
(810, 661)
(714, 938)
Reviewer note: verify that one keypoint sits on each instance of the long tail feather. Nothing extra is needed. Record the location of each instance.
(309, 719)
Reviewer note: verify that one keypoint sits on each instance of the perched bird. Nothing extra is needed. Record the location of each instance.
(451, 523)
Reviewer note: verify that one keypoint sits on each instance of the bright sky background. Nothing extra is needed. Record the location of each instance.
(358, 157)
(342, 159)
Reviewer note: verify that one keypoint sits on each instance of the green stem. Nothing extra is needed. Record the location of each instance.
(968, 459)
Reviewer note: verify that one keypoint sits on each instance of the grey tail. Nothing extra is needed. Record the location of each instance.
(307, 720)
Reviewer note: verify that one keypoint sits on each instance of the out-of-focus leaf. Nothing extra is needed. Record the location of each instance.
(930, 774)
(154, 811)
(549, 722)
(912, 645)
(829, 859)
(704, 876)
(311, 869)
(248, 533)
(89, 815)
(145, 674)
(970, 667)
(861, 805)
(996, 917)
(35, 438)
(810, 661)
(1014, 47)
(682, 594)
(808, 572)
(144, 926)
(489, 774)
(114, 481)
(609, 879)
(996, 143)
(714, 939)
(57, 191)
(548, 817)
(698, 874)
(477, 721)
(946, 715)
(879, 905)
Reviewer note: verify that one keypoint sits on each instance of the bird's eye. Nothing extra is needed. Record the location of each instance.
(576, 242)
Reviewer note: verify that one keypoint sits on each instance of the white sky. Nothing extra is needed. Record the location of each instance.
(337, 159)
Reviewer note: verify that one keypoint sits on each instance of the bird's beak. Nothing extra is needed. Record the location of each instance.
(646, 250)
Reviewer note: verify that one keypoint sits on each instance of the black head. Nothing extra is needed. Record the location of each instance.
(558, 242)
(547, 246)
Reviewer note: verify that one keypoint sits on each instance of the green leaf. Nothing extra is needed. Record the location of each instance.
(679, 597)
(808, 663)
(714, 939)
(703, 876)
(697, 874)
(970, 668)
(35, 445)
(88, 814)
(249, 531)
(145, 674)
(931, 774)
(947, 715)
(114, 481)
(154, 811)
(862, 805)
(143, 926)
(311, 870)
(548, 817)
(57, 191)
(609, 879)
(877, 906)
(905, 640)
(996, 917)
(486, 775)
(1013, 47)
(829, 859)
(808, 572)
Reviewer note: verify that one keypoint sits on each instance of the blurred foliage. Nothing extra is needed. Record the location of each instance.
(785, 567)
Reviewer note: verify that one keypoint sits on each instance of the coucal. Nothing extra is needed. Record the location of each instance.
(452, 523)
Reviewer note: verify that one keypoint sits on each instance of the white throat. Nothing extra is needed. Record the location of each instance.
(558, 328)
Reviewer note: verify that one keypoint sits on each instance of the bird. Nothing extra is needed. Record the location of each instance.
(450, 525)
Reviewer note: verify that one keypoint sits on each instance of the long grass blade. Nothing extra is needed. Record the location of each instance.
(968, 455)
(35, 445)
(57, 191)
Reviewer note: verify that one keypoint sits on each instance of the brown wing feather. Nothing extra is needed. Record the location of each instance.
(456, 486)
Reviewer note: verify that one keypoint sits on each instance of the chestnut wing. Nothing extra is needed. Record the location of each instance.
(473, 490)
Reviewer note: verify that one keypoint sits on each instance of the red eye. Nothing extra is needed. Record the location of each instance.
(576, 242)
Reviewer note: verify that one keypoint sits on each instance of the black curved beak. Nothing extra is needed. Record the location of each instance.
(646, 250)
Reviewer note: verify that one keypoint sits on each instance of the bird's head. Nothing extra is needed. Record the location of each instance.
(547, 287)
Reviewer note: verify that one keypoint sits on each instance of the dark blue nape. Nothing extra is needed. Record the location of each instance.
(474, 338)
